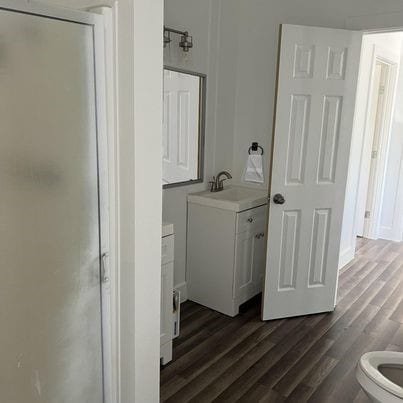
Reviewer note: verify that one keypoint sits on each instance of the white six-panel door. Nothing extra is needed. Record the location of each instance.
(315, 101)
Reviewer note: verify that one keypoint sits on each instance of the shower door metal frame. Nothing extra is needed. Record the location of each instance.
(105, 177)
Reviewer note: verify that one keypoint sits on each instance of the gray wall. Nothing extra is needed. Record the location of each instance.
(212, 24)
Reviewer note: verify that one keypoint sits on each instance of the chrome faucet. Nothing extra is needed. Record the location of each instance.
(217, 184)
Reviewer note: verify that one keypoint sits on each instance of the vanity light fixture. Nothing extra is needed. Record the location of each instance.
(186, 41)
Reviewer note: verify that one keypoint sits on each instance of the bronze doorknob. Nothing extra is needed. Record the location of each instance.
(278, 199)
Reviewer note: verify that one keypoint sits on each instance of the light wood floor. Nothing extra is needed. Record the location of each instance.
(309, 358)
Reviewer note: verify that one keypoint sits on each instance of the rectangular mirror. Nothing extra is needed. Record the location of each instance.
(183, 127)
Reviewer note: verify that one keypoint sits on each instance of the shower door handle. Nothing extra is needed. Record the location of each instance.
(104, 277)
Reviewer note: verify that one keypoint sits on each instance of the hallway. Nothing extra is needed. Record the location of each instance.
(311, 358)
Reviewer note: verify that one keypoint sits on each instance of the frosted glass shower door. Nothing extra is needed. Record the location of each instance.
(50, 296)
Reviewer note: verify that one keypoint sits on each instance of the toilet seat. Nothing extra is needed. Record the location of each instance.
(370, 363)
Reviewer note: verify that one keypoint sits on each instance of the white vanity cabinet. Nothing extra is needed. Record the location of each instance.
(167, 280)
(226, 255)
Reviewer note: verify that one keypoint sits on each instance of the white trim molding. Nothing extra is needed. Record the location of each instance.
(346, 256)
(139, 77)
(183, 289)
(111, 289)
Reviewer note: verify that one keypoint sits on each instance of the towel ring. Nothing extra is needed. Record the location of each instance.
(255, 147)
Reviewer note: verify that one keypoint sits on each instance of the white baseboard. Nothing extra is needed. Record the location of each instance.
(346, 257)
(389, 234)
(183, 289)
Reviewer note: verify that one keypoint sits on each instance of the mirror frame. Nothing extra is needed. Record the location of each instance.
(202, 127)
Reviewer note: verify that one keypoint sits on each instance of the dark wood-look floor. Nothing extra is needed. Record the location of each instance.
(309, 358)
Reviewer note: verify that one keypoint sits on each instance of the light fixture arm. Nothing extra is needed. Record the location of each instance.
(175, 31)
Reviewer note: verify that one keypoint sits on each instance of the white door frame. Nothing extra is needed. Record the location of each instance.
(110, 289)
(106, 158)
(386, 57)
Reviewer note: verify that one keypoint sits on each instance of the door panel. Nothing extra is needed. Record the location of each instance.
(297, 137)
(316, 92)
(319, 247)
(329, 138)
(244, 264)
(250, 261)
(50, 298)
(290, 230)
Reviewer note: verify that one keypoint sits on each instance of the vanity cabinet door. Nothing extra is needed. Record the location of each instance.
(249, 262)
(166, 302)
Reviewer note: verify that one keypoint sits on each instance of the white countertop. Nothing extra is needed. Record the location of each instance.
(167, 229)
(234, 198)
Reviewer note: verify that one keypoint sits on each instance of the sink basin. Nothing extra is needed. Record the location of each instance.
(234, 198)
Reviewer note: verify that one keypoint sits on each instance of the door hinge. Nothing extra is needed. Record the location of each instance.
(381, 89)
(374, 154)
(367, 214)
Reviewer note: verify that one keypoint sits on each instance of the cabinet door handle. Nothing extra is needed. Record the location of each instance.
(257, 236)
(262, 234)
(250, 219)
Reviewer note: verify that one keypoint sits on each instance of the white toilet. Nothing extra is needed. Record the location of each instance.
(380, 374)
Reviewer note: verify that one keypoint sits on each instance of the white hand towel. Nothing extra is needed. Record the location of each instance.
(254, 169)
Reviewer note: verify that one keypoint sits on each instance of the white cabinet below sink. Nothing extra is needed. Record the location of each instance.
(226, 256)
